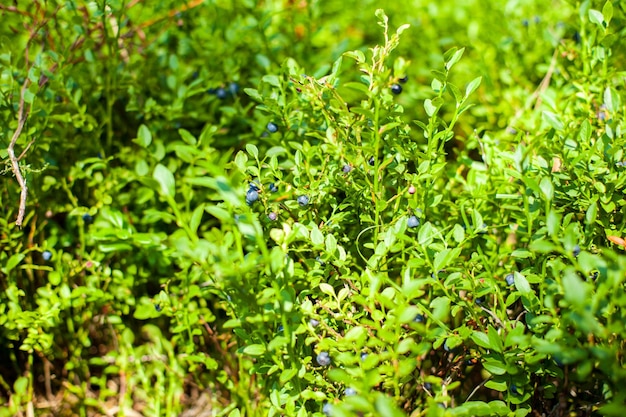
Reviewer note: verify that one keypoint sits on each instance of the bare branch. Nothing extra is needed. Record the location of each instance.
(22, 115)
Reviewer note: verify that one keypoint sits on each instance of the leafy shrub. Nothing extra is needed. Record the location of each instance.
(293, 226)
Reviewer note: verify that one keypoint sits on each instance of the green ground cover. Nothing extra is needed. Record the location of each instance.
(308, 208)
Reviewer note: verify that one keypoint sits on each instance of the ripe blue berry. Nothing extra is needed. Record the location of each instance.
(254, 185)
(576, 251)
(221, 93)
(303, 200)
(233, 88)
(349, 391)
(272, 216)
(251, 196)
(396, 88)
(419, 318)
(371, 161)
(404, 79)
(158, 307)
(314, 322)
(428, 386)
(327, 409)
(273, 188)
(413, 222)
(514, 389)
(346, 168)
(363, 356)
(480, 300)
(510, 279)
(323, 358)
(46, 255)
(271, 127)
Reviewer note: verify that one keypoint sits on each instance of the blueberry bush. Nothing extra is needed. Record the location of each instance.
(238, 208)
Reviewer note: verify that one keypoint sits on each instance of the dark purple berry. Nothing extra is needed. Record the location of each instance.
(46, 255)
(396, 89)
(404, 79)
(272, 216)
(273, 188)
(576, 251)
(346, 168)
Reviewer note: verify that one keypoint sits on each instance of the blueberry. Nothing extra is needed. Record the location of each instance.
(303, 200)
(363, 356)
(396, 88)
(221, 93)
(346, 168)
(371, 161)
(254, 185)
(158, 307)
(318, 259)
(514, 389)
(273, 188)
(480, 300)
(87, 218)
(272, 216)
(419, 318)
(251, 196)
(428, 386)
(525, 23)
(349, 391)
(413, 222)
(323, 358)
(233, 88)
(280, 328)
(46, 255)
(403, 80)
(412, 189)
(327, 409)
(510, 279)
(314, 322)
(271, 127)
(576, 251)
(445, 346)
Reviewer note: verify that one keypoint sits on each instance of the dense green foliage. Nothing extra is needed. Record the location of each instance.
(305, 208)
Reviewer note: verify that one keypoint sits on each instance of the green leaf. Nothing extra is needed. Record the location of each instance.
(584, 135)
(13, 261)
(144, 137)
(595, 16)
(552, 119)
(607, 12)
(611, 100)
(252, 150)
(472, 86)
(456, 56)
(574, 288)
(481, 339)
(494, 339)
(254, 350)
(385, 407)
(521, 283)
(165, 179)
